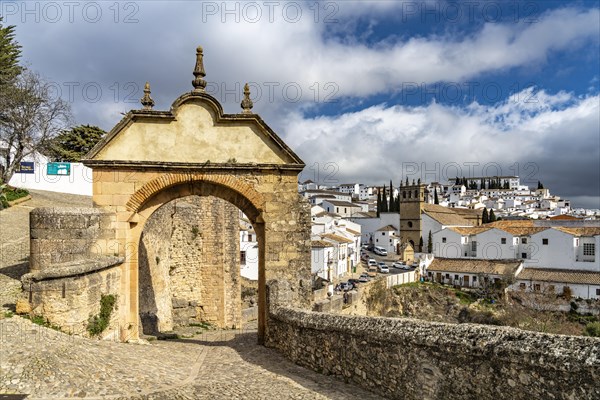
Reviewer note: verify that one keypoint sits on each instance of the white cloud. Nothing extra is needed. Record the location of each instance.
(560, 139)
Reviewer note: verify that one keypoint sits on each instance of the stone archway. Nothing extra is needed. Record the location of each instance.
(152, 157)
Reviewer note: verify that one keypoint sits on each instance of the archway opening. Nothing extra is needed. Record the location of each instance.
(193, 249)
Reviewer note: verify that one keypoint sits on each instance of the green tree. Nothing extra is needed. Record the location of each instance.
(384, 203)
(378, 203)
(10, 52)
(75, 143)
(421, 244)
(430, 243)
(492, 216)
(484, 216)
(540, 186)
(391, 206)
(435, 197)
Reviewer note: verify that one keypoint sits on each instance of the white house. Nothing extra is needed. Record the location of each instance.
(387, 237)
(370, 224)
(471, 272)
(248, 254)
(342, 208)
(562, 247)
(582, 284)
(341, 264)
(322, 259)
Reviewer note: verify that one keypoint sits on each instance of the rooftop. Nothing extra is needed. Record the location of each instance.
(560, 275)
(475, 266)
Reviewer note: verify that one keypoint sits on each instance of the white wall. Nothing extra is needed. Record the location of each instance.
(370, 225)
(489, 245)
(78, 182)
(453, 248)
(583, 291)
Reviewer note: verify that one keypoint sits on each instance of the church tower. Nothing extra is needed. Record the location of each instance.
(412, 201)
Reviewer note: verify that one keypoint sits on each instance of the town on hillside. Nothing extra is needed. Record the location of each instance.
(467, 233)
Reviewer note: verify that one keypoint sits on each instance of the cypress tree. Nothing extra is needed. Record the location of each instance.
(391, 207)
(484, 216)
(421, 244)
(435, 196)
(430, 243)
(492, 215)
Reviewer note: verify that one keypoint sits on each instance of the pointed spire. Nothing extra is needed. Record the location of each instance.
(198, 82)
(247, 103)
(147, 101)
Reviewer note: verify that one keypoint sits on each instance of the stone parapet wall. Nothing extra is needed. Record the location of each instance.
(69, 294)
(411, 359)
(59, 235)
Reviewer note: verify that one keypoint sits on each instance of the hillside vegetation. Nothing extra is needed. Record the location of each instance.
(434, 302)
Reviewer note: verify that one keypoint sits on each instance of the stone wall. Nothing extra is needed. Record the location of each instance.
(189, 265)
(411, 359)
(69, 294)
(71, 267)
(59, 235)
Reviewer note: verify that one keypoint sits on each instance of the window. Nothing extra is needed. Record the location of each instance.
(403, 195)
(443, 240)
(377, 240)
(536, 287)
(473, 246)
(589, 249)
(410, 224)
(597, 292)
(523, 255)
(243, 257)
(447, 276)
(522, 286)
(503, 241)
(455, 276)
(249, 237)
(474, 279)
(544, 242)
(523, 240)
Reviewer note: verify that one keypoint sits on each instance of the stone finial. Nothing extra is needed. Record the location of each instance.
(246, 102)
(147, 101)
(199, 83)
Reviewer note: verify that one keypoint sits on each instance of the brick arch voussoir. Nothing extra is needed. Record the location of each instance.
(246, 193)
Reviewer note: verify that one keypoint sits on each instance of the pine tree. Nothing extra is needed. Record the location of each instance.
(484, 216)
(10, 52)
(75, 143)
(430, 243)
(384, 202)
(421, 244)
(492, 215)
(435, 196)
(378, 203)
(457, 182)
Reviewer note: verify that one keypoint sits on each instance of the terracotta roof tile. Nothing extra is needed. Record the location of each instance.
(474, 266)
(560, 275)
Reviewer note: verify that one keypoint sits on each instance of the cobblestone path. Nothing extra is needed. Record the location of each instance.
(44, 364)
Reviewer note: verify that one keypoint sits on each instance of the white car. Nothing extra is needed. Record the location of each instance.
(383, 269)
(398, 265)
(372, 262)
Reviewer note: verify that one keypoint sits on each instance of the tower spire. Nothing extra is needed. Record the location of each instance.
(246, 102)
(147, 101)
(199, 83)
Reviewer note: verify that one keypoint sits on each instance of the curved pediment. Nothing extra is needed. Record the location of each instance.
(194, 132)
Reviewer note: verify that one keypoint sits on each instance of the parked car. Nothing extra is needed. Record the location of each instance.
(345, 286)
(384, 269)
(354, 283)
(398, 265)
(364, 278)
(372, 262)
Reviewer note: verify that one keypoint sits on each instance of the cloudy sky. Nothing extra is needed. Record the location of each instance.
(362, 91)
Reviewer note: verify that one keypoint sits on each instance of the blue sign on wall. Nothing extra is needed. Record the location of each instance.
(57, 168)
(26, 167)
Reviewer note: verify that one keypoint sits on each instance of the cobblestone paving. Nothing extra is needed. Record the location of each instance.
(45, 364)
